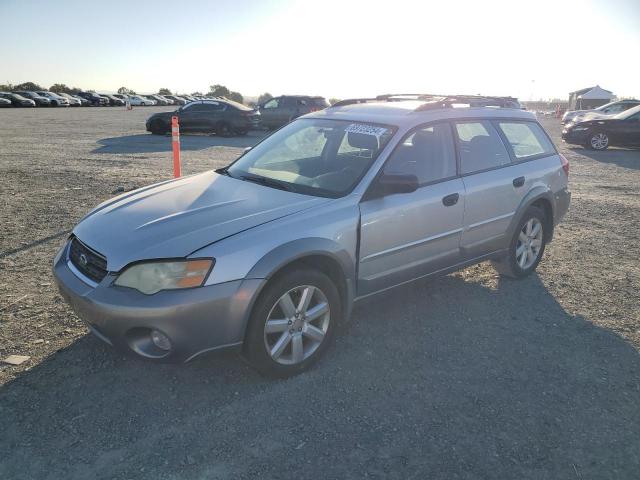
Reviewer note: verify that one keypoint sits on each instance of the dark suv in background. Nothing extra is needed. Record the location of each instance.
(281, 110)
(94, 99)
(220, 116)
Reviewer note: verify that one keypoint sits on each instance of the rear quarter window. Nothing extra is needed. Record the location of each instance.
(526, 139)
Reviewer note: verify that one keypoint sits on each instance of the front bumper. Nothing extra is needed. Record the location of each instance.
(196, 320)
(577, 138)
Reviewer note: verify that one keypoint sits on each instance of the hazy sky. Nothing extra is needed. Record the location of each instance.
(533, 49)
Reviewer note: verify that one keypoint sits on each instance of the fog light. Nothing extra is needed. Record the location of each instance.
(160, 340)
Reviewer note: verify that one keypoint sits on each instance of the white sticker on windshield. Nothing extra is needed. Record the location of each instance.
(366, 129)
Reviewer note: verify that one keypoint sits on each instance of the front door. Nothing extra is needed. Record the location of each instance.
(404, 236)
(269, 112)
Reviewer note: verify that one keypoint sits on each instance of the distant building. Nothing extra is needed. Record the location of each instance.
(588, 98)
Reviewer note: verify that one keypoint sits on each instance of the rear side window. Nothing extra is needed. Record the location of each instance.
(527, 139)
(480, 147)
(427, 153)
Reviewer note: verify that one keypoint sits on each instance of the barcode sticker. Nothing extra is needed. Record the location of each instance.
(366, 129)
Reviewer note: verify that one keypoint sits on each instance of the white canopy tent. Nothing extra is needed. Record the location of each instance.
(590, 97)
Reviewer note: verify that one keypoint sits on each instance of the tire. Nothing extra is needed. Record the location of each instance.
(242, 133)
(598, 141)
(158, 127)
(223, 129)
(512, 264)
(292, 347)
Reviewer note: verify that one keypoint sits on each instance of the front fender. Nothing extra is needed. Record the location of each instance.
(287, 253)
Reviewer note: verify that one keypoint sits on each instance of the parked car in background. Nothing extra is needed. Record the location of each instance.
(223, 117)
(122, 97)
(147, 97)
(113, 100)
(166, 99)
(83, 101)
(17, 100)
(39, 99)
(159, 100)
(56, 100)
(281, 110)
(139, 100)
(176, 99)
(269, 255)
(94, 99)
(73, 101)
(621, 130)
(4, 103)
(189, 98)
(611, 108)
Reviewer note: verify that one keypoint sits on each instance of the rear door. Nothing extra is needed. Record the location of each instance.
(496, 185)
(492, 187)
(407, 235)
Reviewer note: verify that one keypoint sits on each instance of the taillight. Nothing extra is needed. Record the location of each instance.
(565, 164)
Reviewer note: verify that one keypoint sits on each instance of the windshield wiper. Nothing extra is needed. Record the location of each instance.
(267, 182)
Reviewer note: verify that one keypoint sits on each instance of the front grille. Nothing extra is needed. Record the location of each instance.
(89, 262)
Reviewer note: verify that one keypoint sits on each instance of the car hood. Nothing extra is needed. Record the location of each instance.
(596, 121)
(175, 218)
(164, 115)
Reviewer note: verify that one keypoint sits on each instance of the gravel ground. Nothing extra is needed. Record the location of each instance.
(466, 376)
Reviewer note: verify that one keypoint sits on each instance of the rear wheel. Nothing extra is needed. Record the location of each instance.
(526, 247)
(292, 323)
(598, 141)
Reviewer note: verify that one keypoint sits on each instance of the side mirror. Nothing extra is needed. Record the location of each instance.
(247, 149)
(398, 183)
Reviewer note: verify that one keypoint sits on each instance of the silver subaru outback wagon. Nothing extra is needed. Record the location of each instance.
(269, 254)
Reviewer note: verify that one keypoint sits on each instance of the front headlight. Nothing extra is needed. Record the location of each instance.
(152, 277)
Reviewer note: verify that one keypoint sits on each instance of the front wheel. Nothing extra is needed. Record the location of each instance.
(292, 323)
(598, 141)
(526, 247)
(157, 127)
(223, 129)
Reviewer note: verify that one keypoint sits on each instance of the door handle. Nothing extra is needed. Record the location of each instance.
(518, 182)
(450, 200)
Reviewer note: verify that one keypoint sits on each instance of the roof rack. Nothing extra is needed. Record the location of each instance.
(436, 101)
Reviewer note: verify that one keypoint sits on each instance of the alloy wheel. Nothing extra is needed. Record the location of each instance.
(529, 243)
(599, 141)
(297, 325)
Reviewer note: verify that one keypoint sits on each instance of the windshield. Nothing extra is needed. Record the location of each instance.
(602, 107)
(314, 156)
(628, 113)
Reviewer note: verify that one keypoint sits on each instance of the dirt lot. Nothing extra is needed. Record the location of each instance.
(467, 376)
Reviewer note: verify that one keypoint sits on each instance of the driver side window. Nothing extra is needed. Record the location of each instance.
(273, 103)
